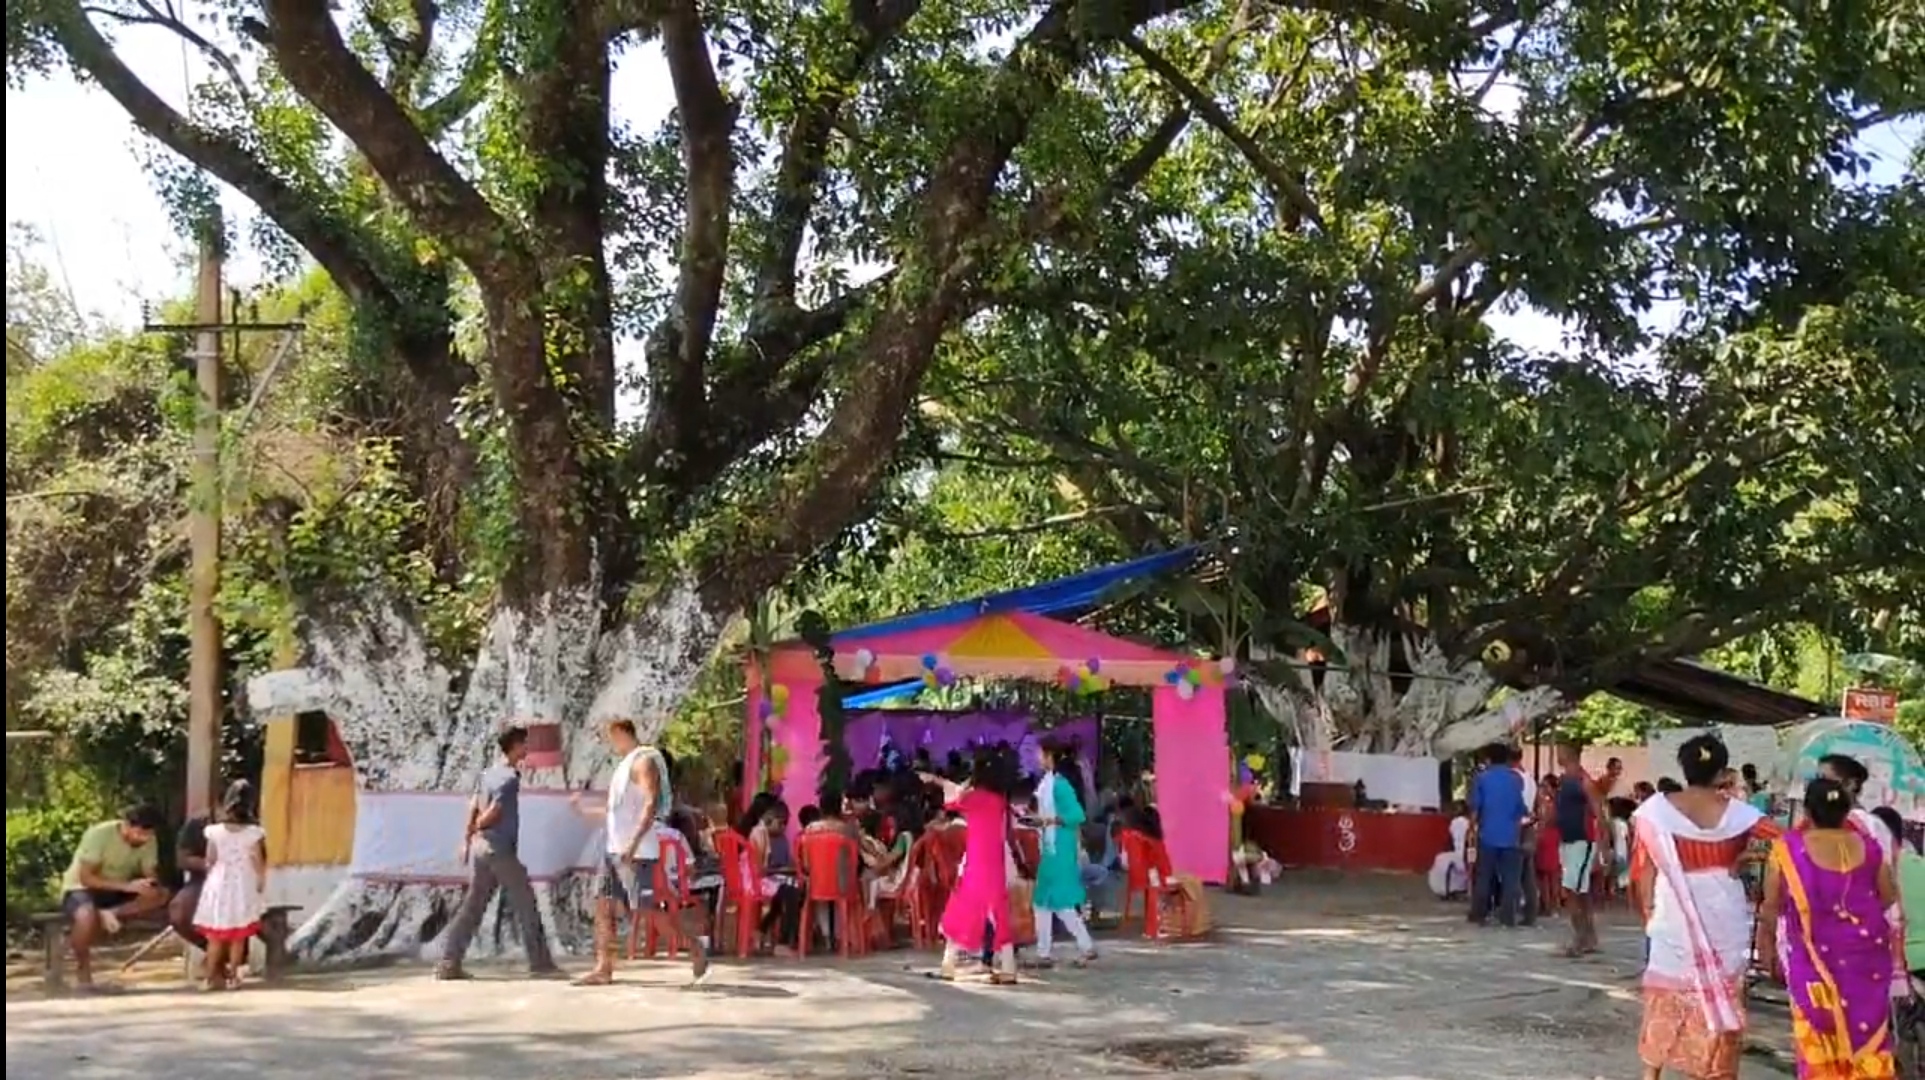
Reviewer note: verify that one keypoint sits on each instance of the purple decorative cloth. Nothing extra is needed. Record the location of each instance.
(869, 732)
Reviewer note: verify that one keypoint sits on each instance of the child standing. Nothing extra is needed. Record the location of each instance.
(233, 897)
(982, 893)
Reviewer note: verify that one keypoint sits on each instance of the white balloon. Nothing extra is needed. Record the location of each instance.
(1185, 691)
(1227, 665)
(864, 658)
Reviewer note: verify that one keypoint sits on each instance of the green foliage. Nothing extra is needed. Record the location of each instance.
(1603, 720)
(97, 462)
(1911, 721)
(1280, 337)
(48, 806)
(40, 844)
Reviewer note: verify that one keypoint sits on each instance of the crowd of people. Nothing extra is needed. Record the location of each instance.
(1726, 884)
(883, 812)
(1828, 905)
(215, 904)
(1073, 864)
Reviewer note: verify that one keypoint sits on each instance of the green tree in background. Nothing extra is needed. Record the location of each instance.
(1301, 367)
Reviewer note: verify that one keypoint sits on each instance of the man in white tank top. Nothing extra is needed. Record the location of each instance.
(633, 865)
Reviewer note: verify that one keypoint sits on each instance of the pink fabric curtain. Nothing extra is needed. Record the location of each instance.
(1193, 781)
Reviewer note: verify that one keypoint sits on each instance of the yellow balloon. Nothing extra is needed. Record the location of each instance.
(1256, 762)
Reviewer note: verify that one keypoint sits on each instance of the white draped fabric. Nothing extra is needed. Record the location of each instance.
(416, 836)
(1700, 926)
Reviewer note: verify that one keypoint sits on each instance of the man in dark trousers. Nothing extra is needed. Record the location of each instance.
(494, 827)
(190, 854)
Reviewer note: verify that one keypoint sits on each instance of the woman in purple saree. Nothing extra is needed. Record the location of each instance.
(1832, 887)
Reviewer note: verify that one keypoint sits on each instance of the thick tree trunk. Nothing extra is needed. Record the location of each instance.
(1442, 706)
(409, 731)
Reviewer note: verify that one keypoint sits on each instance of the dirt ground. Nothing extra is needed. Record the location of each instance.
(1362, 978)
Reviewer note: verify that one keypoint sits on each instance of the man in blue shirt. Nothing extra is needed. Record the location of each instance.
(1498, 811)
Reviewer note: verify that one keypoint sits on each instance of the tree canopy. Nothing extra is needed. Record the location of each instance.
(1163, 270)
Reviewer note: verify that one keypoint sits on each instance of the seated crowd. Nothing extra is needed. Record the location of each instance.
(884, 813)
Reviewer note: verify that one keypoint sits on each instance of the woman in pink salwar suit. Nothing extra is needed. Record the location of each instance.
(981, 897)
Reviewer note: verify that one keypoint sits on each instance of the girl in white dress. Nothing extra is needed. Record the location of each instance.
(233, 897)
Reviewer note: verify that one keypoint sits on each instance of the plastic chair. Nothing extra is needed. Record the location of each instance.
(892, 911)
(673, 871)
(932, 877)
(1029, 850)
(831, 867)
(741, 890)
(1147, 874)
(952, 842)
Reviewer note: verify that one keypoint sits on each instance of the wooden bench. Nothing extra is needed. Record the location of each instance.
(53, 926)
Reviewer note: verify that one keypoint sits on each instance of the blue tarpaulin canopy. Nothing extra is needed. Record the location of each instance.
(1067, 595)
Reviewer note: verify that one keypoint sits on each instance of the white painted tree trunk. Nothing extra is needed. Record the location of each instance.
(408, 729)
(1445, 707)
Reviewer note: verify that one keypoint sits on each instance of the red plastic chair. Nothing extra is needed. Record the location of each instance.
(672, 873)
(925, 890)
(741, 889)
(831, 867)
(1029, 849)
(1148, 875)
(952, 843)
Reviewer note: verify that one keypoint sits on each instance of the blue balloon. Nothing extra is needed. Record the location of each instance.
(929, 661)
(1173, 677)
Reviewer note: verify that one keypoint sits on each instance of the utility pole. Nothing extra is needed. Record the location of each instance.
(204, 514)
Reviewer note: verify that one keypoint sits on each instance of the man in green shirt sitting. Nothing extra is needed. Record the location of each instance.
(115, 875)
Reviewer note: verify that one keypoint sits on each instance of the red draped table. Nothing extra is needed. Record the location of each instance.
(1347, 839)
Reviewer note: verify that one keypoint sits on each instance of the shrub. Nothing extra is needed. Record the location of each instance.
(40, 843)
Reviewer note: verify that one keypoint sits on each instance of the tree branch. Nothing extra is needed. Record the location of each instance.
(842, 465)
(708, 122)
(406, 51)
(805, 146)
(331, 241)
(308, 48)
(465, 96)
(1285, 188)
(1048, 524)
(153, 16)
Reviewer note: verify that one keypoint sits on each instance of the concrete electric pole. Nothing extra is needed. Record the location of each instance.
(204, 513)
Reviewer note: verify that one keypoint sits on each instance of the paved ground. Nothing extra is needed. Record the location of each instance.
(1359, 981)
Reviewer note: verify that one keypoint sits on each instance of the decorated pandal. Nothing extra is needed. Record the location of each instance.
(1192, 780)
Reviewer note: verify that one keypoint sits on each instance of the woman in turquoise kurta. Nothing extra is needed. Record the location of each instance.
(1059, 878)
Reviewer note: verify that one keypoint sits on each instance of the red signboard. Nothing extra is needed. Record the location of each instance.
(1876, 706)
(544, 746)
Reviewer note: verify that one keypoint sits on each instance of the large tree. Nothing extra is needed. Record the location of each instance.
(1284, 344)
(789, 248)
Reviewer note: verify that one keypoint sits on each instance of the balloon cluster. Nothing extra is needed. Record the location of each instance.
(1243, 796)
(775, 704)
(1087, 678)
(935, 673)
(867, 670)
(1190, 674)
(1246, 790)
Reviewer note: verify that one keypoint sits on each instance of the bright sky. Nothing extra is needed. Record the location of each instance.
(73, 173)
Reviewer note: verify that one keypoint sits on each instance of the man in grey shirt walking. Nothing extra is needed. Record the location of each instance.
(494, 827)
